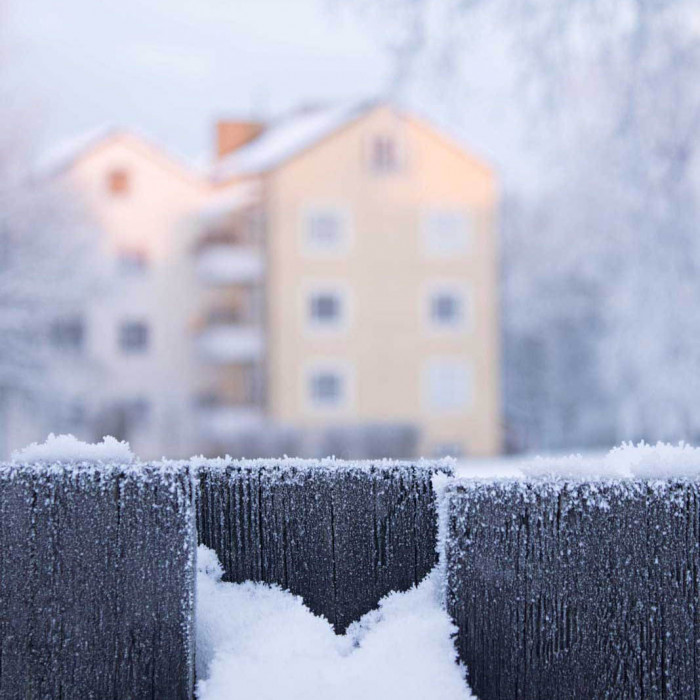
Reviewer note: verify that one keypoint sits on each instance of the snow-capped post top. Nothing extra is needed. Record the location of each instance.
(68, 449)
(627, 461)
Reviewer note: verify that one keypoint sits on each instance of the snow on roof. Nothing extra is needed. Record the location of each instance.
(286, 138)
(238, 197)
(65, 153)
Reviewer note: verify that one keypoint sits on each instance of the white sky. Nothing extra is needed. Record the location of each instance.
(170, 67)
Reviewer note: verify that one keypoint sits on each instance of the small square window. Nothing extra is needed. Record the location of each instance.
(68, 334)
(446, 309)
(448, 385)
(325, 231)
(326, 388)
(446, 232)
(325, 309)
(384, 154)
(118, 182)
(133, 337)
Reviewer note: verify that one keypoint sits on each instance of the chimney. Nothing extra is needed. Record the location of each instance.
(231, 135)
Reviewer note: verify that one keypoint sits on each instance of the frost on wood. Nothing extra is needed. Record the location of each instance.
(96, 581)
(339, 534)
(571, 589)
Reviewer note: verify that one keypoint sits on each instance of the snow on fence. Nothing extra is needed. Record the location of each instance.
(96, 581)
(340, 534)
(571, 589)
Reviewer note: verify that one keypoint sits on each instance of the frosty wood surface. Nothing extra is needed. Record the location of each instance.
(96, 582)
(575, 590)
(340, 534)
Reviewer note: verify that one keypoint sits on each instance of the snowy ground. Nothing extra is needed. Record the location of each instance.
(260, 642)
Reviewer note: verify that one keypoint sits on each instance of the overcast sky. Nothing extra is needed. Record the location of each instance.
(171, 67)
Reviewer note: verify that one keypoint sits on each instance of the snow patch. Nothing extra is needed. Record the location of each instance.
(67, 448)
(259, 641)
(627, 461)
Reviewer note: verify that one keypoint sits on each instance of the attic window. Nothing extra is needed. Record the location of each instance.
(384, 154)
(118, 182)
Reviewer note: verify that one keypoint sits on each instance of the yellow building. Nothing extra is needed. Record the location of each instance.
(330, 287)
(378, 237)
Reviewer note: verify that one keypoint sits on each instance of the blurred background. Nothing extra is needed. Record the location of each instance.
(353, 227)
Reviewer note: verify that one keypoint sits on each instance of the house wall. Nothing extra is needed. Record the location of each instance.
(159, 202)
(386, 344)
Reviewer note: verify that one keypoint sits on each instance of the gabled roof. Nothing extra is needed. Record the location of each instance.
(286, 138)
(65, 154)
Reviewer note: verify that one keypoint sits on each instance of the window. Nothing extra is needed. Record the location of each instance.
(447, 308)
(448, 384)
(325, 231)
(133, 337)
(446, 232)
(118, 182)
(326, 388)
(384, 154)
(67, 334)
(326, 309)
(132, 262)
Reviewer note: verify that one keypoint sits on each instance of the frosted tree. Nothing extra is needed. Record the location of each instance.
(601, 283)
(47, 270)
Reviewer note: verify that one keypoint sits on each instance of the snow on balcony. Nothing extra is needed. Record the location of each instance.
(230, 342)
(229, 264)
(221, 422)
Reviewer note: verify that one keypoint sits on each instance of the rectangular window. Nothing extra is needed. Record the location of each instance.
(133, 337)
(326, 309)
(446, 232)
(447, 307)
(448, 385)
(384, 154)
(118, 182)
(68, 334)
(325, 231)
(326, 388)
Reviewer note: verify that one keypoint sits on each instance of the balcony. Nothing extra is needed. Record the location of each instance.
(225, 263)
(230, 342)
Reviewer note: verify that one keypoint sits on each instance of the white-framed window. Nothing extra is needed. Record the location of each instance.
(328, 385)
(133, 337)
(68, 334)
(446, 232)
(448, 384)
(384, 154)
(326, 230)
(448, 307)
(326, 307)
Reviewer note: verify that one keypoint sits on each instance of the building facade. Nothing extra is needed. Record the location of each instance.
(330, 287)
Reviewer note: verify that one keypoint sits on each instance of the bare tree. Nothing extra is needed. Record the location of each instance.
(47, 271)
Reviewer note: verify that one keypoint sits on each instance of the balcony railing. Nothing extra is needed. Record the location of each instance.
(229, 264)
(231, 342)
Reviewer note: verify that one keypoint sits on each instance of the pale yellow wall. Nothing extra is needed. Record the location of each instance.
(386, 269)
